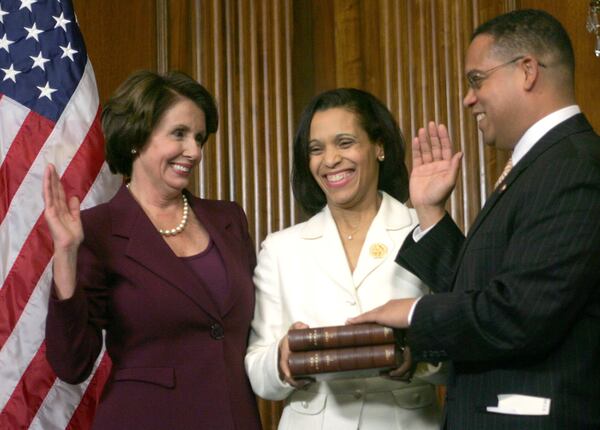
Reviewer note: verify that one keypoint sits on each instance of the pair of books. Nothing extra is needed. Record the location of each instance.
(367, 348)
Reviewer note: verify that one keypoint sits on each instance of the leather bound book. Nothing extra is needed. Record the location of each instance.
(309, 339)
(343, 359)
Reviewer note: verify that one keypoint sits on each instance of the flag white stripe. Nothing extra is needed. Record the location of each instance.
(56, 410)
(21, 211)
(25, 339)
(28, 334)
(103, 189)
(59, 149)
(13, 114)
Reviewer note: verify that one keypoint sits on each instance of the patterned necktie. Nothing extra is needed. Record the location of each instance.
(504, 173)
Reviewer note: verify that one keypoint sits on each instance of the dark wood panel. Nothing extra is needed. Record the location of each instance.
(322, 35)
(349, 44)
(180, 35)
(120, 37)
(303, 57)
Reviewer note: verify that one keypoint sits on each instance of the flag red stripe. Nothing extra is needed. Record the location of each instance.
(30, 394)
(87, 162)
(84, 413)
(23, 277)
(31, 391)
(37, 249)
(25, 147)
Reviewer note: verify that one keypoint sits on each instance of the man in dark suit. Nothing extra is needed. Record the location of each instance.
(517, 303)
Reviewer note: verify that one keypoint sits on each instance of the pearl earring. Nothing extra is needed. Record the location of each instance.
(134, 151)
(381, 157)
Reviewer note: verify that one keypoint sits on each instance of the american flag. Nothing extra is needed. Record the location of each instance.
(49, 113)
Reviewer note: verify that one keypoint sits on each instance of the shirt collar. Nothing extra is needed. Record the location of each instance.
(392, 215)
(539, 129)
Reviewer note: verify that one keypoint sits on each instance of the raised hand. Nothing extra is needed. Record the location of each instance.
(284, 354)
(64, 222)
(434, 173)
(63, 218)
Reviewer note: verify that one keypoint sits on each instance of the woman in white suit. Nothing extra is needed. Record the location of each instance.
(349, 175)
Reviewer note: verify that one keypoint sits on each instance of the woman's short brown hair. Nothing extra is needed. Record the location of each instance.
(138, 105)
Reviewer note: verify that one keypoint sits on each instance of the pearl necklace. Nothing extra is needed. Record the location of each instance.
(182, 224)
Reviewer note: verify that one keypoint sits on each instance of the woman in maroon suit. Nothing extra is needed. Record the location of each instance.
(166, 275)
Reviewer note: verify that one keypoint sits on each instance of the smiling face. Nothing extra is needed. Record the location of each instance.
(174, 147)
(342, 159)
(495, 104)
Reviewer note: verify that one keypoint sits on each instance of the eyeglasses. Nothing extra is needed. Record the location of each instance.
(475, 78)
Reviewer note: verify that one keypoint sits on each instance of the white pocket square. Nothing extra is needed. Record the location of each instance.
(519, 404)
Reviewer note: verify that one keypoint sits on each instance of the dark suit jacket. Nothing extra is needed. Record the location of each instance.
(177, 361)
(517, 308)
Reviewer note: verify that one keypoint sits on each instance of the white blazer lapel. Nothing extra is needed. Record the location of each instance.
(326, 247)
(382, 241)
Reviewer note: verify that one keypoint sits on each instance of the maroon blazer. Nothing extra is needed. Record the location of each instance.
(178, 362)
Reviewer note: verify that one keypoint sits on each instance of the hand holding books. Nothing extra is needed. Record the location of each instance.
(283, 356)
(363, 349)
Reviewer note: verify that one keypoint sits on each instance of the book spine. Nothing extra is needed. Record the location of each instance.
(341, 359)
(339, 337)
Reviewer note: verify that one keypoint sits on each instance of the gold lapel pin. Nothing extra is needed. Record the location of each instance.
(378, 250)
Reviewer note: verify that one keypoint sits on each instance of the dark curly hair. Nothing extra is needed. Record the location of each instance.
(137, 107)
(380, 126)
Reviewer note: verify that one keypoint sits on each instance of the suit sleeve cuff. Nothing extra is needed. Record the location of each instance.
(419, 234)
(412, 311)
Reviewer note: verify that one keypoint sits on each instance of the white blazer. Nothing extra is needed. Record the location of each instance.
(303, 275)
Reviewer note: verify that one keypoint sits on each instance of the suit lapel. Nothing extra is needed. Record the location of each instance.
(326, 247)
(147, 247)
(379, 244)
(576, 124)
(219, 229)
(328, 251)
(376, 247)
